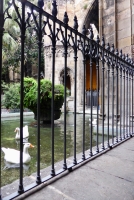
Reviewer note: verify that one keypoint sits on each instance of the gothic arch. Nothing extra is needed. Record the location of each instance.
(92, 16)
(69, 77)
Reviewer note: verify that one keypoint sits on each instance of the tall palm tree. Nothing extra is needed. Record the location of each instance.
(11, 46)
(10, 43)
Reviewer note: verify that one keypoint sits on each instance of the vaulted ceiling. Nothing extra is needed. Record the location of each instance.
(93, 15)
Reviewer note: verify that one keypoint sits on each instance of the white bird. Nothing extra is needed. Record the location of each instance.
(94, 122)
(25, 132)
(13, 155)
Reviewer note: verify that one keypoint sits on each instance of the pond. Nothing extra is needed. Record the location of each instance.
(10, 172)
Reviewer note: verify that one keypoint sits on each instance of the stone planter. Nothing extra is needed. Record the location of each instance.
(45, 115)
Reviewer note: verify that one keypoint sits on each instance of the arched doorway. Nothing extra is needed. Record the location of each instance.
(94, 85)
(92, 15)
(94, 79)
(68, 80)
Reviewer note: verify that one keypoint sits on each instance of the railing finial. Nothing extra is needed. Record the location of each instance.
(40, 3)
(75, 23)
(108, 46)
(65, 19)
(126, 59)
(112, 48)
(129, 60)
(103, 41)
(98, 39)
(120, 53)
(54, 9)
(91, 33)
(84, 30)
(123, 56)
(116, 52)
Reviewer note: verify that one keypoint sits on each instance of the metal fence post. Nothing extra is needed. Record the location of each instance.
(54, 13)
(40, 5)
(1, 36)
(23, 29)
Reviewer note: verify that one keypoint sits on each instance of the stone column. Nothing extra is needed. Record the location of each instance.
(100, 18)
(115, 23)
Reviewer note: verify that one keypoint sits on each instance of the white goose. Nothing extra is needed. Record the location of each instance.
(25, 132)
(13, 156)
(94, 122)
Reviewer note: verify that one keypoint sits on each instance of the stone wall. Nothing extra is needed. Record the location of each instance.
(73, 8)
(118, 23)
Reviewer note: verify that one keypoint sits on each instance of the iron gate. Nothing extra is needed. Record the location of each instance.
(115, 72)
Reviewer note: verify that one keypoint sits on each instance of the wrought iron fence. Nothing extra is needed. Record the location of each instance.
(114, 80)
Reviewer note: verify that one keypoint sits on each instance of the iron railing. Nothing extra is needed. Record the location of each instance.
(114, 80)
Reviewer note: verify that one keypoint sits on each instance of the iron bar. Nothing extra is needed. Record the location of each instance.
(132, 100)
(120, 102)
(83, 141)
(97, 70)
(112, 105)
(91, 92)
(39, 30)
(123, 106)
(75, 86)
(103, 85)
(54, 13)
(116, 95)
(112, 50)
(65, 77)
(129, 97)
(84, 88)
(1, 44)
(108, 91)
(23, 29)
(127, 103)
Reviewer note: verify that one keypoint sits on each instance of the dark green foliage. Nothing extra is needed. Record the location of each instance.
(11, 97)
(30, 94)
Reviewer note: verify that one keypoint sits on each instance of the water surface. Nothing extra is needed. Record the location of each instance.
(10, 172)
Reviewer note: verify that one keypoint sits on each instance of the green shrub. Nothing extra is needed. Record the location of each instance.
(30, 94)
(11, 97)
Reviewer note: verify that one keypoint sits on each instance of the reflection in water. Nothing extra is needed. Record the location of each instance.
(9, 165)
(25, 140)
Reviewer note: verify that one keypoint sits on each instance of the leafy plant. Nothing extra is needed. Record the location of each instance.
(11, 98)
(30, 94)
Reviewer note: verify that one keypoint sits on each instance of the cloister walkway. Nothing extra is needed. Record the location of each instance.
(108, 177)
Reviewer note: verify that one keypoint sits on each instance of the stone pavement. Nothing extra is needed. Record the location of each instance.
(108, 177)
